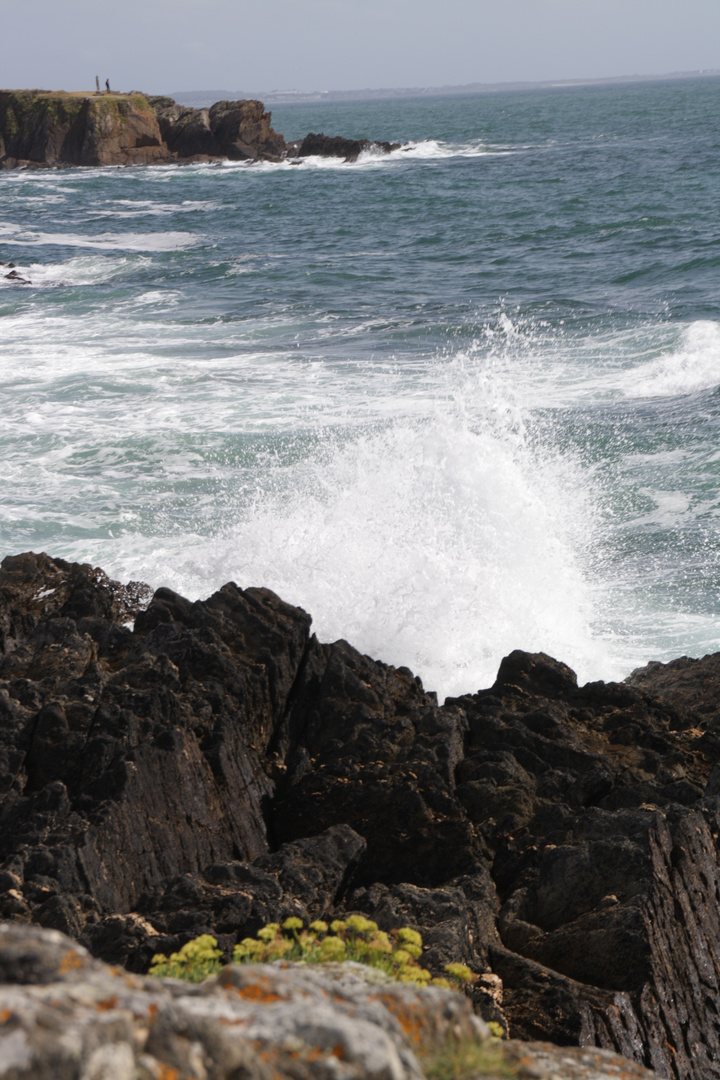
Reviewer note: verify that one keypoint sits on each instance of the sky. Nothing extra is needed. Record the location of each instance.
(161, 46)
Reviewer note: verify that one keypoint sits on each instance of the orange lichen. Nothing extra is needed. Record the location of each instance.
(70, 962)
(106, 1004)
(412, 1021)
(5, 1016)
(258, 992)
(168, 1072)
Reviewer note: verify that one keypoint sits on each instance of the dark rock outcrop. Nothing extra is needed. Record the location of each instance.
(319, 145)
(186, 132)
(243, 130)
(238, 130)
(212, 767)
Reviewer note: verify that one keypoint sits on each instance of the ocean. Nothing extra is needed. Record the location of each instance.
(454, 401)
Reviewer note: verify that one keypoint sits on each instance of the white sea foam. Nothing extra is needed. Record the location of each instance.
(440, 542)
(375, 157)
(131, 208)
(693, 365)
(80, 270)
(416, 520)
(157, 241)
(560, 368)
(431, 545)
(435, 148)
(409, 512)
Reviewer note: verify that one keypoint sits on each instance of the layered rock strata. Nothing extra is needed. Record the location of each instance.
(170, 768)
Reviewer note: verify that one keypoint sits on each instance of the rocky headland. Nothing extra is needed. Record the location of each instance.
(170, 768)
(41, 129)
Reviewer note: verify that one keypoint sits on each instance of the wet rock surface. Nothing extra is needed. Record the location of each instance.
(170, 768)
(319, 145)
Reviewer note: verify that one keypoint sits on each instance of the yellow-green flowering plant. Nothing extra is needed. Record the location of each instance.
(195, 961)
(356, 938)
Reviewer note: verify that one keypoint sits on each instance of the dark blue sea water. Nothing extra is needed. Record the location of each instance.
(454, 401)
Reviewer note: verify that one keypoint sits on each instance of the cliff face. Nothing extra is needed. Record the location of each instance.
(215, 767)
(38, 128)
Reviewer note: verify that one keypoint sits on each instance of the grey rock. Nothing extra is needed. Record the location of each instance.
(63, 1014)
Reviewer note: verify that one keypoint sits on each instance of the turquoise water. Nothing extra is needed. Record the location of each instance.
(454, 401)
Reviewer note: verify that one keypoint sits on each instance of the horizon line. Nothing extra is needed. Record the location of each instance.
(294, 94)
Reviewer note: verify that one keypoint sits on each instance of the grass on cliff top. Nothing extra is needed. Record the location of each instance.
(19, 108)
(76, 94)
(73, 99)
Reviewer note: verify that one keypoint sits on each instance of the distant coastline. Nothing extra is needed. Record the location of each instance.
(200, 99)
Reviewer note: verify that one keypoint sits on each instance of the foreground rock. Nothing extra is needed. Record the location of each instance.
(215, 767)
(43, 128)
(65, 1015)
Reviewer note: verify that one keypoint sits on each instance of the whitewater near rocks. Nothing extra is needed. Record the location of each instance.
(454, 400)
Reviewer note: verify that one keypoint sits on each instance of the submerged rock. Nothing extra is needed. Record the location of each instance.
(319, 145)
(170, 768)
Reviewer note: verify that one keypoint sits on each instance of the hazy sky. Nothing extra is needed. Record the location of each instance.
(166, 45)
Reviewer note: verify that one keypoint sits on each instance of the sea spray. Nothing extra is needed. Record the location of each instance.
(440, 543)
(455, 400)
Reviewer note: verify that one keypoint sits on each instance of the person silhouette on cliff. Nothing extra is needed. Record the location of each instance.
(107, 85)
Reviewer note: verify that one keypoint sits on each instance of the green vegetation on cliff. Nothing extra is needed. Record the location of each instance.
(22, 109)
(355, 938)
